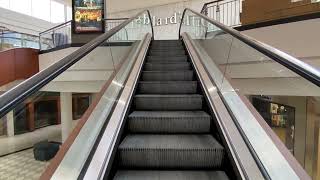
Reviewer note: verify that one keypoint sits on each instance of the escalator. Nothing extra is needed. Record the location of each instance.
(166, 109)
(169, 133)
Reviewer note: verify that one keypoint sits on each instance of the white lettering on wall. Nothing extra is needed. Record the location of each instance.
(174, 19)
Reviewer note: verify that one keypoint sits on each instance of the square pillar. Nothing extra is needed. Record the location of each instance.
(10, 124)
(66, 114)
(31, 116)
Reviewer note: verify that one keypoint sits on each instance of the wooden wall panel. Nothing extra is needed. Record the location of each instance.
(20, 63)
(7, 71)
(26, 63)
(255, 11)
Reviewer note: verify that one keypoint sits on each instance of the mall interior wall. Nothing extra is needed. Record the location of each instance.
(299, 39)
(160, 11)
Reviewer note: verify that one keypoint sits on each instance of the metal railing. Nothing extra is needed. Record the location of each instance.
(226, 12)
(11, 39)
(110, 23)
(59, 35)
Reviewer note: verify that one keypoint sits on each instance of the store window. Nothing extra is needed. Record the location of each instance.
(23, 7)
(3, 126)
(54, 11)
(57, 12)
(20, 119)
(46, 113)
(69, 13)
(41, 9)
(80, 103)
(280, 117)
(12, 39)
(5, 4)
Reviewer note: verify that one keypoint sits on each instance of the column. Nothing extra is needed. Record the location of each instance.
(58, 111)
(66, 114)
(31, 116)
(10, 124)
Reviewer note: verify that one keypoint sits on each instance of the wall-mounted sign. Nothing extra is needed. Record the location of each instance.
(174, 19)
(88, 16)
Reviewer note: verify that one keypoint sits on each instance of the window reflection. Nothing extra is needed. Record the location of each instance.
(41, 9)
(48, 10)
(5, 4)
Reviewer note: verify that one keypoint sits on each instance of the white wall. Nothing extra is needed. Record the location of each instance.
(114, 6)
(89, 74)
(23, 23)
(300, 39)
(161, 9)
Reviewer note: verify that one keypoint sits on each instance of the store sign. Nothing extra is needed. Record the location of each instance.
(174, 19)
(88, 16)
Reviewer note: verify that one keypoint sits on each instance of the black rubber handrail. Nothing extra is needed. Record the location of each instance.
(55, 27)
(10, 99)
(303, 69)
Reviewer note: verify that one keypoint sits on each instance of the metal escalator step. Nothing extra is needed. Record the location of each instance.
(168, 102)
(158, 66)
(167, 53)
(169, 122)
(167, 40)
(167, 87)
(170, 151)
(167, 75)
(176, 42)
(173, 59)
(170, 175)
(165, 48)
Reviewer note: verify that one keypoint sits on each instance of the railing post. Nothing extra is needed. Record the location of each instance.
(53, 38)
(1, 39)
(40, 48)
(218, 13)
(206, 10)
(224, 11)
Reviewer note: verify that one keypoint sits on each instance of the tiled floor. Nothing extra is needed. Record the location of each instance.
(21, 165)
(27, 140)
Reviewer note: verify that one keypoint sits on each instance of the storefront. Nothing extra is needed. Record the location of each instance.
(43, 111)
(280, 117)
(295, 120)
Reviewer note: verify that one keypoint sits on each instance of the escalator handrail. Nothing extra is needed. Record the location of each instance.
(10, 99)
(303, 69)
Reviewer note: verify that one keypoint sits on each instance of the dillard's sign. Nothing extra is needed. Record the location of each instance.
(174, 19)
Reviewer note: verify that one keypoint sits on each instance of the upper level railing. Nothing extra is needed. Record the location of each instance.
(11, 39)
(113, 22)
(56, 36)
(226, 12)
(60, 35)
